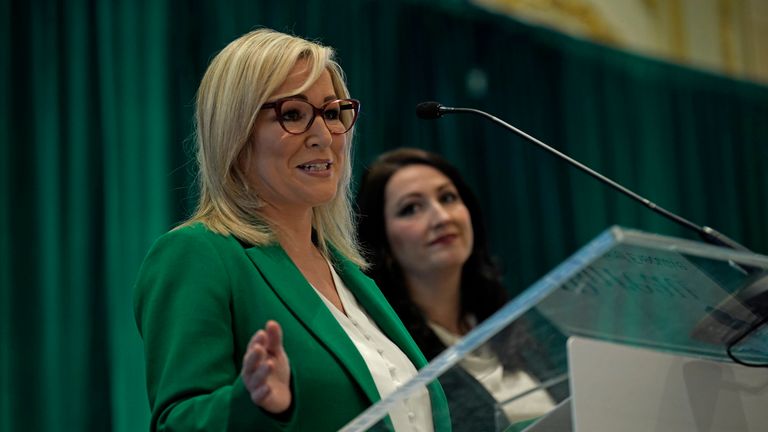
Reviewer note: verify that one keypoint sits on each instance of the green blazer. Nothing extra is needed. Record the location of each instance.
(199, 298)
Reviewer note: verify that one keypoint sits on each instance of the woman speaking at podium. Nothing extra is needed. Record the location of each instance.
(254, 313)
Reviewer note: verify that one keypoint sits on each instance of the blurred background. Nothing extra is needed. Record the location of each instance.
(667, 97)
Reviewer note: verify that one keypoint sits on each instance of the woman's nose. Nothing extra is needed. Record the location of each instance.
(440, 214)
(319, 134)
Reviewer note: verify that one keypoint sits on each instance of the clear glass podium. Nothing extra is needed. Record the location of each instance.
(627, 288)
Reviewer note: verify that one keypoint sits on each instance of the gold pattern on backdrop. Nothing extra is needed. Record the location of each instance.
(573, 16)
(725, 36)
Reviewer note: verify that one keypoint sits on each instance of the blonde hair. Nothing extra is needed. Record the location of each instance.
(237, 83)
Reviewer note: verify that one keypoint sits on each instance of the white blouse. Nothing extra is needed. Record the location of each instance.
(484, 366)
(389, 366)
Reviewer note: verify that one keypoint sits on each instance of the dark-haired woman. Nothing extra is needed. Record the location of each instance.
(422, 228)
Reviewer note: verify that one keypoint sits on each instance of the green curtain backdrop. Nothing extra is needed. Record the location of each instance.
(96, 100)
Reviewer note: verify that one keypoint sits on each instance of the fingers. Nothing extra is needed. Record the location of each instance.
(257, 383)
(256, 369)
(265, 370)
(255, 353)
(274, 333)
(258, 338)
(253, 359)
(259, 376)
(263, 344)
(260, 394)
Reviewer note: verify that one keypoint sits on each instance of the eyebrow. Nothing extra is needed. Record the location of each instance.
(302, 96)
(442, 187)
(407, 196)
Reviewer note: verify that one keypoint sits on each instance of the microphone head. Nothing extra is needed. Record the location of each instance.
(428, 110)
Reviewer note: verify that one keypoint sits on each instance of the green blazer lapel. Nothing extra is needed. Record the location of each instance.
(289, 284)
(376, 305)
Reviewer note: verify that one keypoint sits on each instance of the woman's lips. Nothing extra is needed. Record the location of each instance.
(320, 165)
(444, 239)
(316, 168)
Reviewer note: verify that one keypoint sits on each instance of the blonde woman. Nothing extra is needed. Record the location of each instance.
(254, 313)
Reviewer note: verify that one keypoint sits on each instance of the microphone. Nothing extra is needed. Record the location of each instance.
(434, 110)
(429, 110)
(754, 296)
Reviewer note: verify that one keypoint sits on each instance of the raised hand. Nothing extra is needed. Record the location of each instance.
(266, 371)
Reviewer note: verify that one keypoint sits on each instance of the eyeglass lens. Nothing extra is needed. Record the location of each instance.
(297, 116)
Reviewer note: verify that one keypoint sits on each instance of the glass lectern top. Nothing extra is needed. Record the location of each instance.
(625, 286)
(665, 293)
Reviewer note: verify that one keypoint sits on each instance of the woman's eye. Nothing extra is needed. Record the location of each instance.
(331, 113)
(407, 210)
(291, 115)
(449, 197)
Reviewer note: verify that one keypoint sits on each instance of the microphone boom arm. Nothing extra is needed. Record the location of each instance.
(755, 294)
(708, 234)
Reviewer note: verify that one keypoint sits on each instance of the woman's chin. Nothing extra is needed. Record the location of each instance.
(447, 263)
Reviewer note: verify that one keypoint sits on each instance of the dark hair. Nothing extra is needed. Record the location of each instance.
(481, 290)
